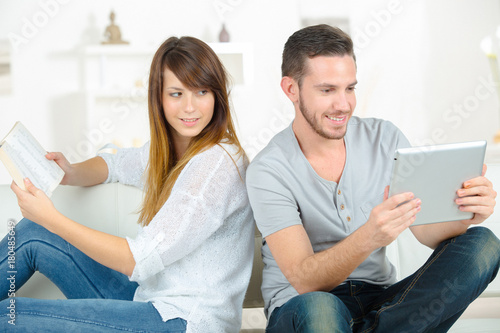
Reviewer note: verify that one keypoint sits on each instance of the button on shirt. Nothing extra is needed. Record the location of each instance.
(284, 190)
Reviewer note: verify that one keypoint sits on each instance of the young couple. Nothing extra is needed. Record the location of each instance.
(188, 267)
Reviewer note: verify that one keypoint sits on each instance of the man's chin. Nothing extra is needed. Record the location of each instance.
(336, 134)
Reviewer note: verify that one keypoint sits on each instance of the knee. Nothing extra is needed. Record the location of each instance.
(484, 239)
(321, 309)
(484, 249)
(26, 225)
(27, 230)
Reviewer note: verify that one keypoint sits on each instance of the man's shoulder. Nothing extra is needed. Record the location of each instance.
(372, 129)
(278, 147)
(373, 124)
(276, 155)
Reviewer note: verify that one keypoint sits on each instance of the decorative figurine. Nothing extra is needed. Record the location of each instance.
(112, 33)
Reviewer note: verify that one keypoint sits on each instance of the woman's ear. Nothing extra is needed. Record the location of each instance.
(290, 88)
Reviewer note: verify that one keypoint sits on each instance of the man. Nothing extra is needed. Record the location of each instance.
(320, 199)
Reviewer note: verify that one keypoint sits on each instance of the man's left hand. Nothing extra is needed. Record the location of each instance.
(477, 196)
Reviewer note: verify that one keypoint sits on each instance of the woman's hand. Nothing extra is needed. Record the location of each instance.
(34, 203)
(87, 173)
(67, 167)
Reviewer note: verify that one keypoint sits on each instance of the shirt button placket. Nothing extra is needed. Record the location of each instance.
(342, 207)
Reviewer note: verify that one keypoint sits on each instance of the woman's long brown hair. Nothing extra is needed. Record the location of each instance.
(196, 65)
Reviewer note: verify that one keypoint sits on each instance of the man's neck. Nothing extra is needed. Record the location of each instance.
(311, 143)
(326, 156)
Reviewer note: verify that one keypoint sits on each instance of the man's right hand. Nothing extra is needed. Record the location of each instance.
(309, 271)
(391, 218)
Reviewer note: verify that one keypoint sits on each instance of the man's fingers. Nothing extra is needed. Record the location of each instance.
(408, 208)
(476, 191)
(386, 193)
(478, 181)
(398, 199)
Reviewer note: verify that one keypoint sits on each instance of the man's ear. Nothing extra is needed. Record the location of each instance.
(290, 88)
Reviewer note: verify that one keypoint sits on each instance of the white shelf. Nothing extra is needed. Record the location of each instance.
(236, 57)
(115, 79)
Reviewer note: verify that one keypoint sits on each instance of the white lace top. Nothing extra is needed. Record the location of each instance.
(194, 259)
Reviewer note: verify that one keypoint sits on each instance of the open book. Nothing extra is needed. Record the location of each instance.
(24, 157)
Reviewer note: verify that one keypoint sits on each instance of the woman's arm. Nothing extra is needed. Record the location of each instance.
(90, 172)
(108, 250)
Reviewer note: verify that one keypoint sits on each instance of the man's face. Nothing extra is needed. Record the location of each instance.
(326, 96)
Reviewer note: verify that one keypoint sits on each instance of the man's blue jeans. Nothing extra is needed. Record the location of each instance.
(430, 300)
(99, 298)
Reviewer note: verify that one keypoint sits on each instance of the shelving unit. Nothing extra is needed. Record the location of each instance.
(115, 81)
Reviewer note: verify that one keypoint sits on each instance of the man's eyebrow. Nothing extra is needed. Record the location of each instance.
(329, 85)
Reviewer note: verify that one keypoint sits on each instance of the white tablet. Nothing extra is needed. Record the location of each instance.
(434, 174)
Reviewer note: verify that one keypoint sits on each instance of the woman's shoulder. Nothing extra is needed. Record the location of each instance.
(222, 149)
(224, 155)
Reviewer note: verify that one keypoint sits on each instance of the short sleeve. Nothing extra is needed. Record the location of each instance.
(399, 138)
(273, 204)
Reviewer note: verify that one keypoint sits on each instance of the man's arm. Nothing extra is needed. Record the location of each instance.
(308, 271)
(476, 196)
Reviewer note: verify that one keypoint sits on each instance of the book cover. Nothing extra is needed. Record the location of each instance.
(24, 157)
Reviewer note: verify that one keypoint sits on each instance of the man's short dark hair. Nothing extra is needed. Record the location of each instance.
(310, 42)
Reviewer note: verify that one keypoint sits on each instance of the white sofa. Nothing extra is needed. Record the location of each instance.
(112, 208)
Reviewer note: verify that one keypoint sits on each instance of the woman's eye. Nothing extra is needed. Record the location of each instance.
(203, 92)
(175, 94)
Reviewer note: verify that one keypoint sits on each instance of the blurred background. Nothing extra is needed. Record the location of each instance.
(429, 66)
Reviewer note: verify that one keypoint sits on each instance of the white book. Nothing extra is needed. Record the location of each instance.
(24, 157)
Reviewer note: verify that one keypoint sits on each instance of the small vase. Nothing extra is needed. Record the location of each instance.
(223, 35)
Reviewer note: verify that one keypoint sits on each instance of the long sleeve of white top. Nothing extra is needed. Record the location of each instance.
(196, 208)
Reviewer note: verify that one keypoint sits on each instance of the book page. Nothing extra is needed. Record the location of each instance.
(28, 157)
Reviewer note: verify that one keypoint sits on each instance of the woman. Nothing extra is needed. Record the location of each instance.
(188, 268)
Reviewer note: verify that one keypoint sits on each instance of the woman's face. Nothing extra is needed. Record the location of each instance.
(187, 111)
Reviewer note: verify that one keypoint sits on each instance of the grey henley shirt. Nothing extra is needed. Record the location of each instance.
(284, 190)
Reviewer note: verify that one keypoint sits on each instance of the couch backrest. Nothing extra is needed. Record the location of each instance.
(253, 296)
(112, 208)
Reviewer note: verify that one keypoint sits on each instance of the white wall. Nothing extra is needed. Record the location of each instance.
(419, 61)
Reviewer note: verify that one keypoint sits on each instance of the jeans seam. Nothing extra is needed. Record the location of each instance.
(32, 313)
(409, 288)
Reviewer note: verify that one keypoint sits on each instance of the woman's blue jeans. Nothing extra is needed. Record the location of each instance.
(430, 300)
(99, 298)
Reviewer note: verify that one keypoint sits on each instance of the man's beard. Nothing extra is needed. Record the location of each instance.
(316, 126)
